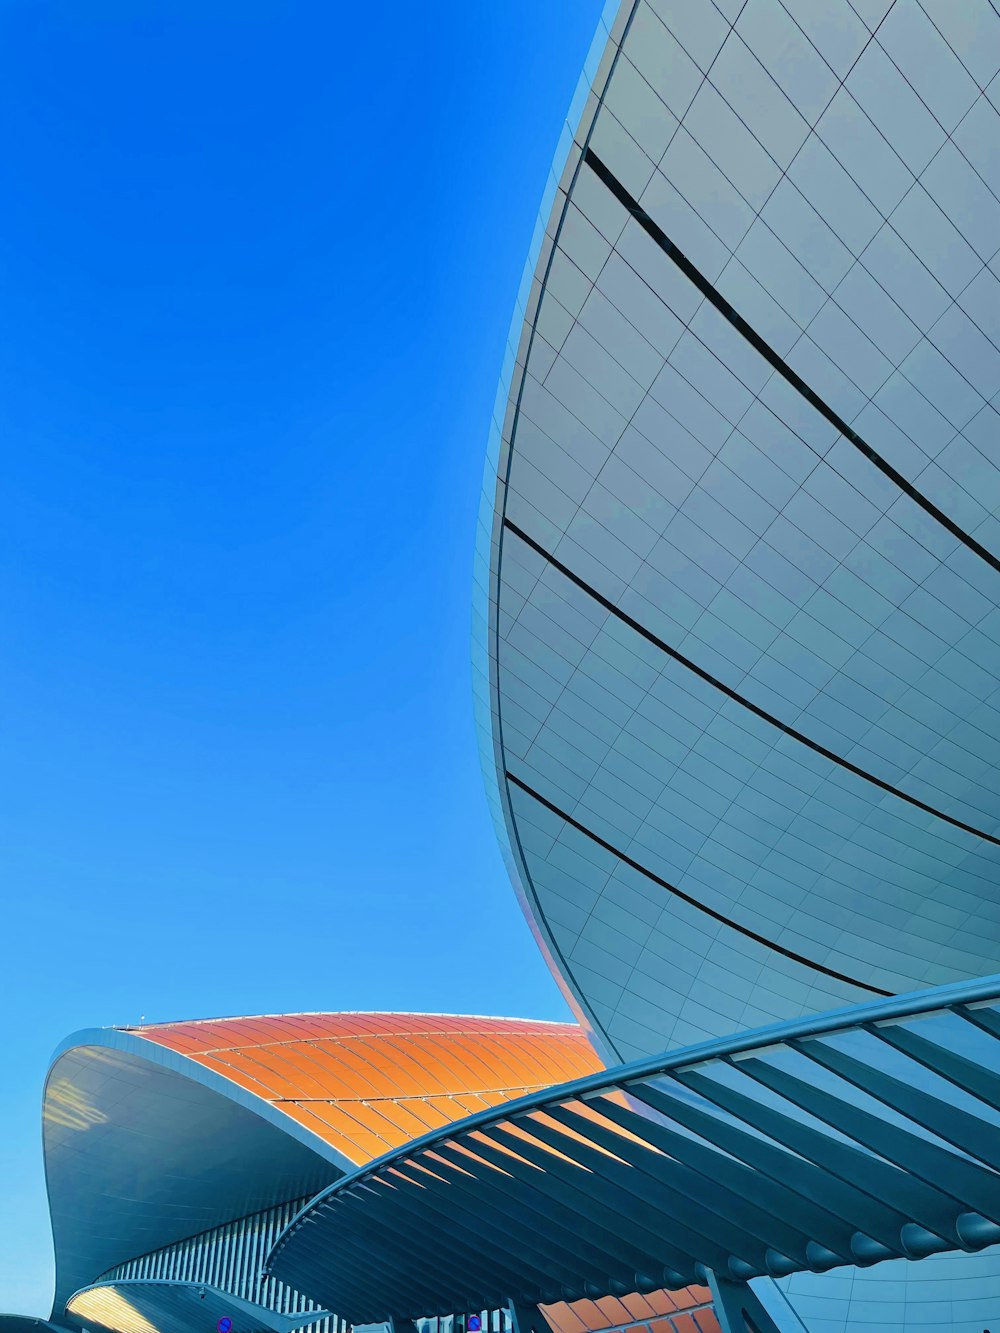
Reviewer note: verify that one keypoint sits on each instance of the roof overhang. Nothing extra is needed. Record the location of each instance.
(144, 1147)
(865, 1134)
(158, 1306)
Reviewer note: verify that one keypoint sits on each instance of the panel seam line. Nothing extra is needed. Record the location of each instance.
(738, 698)
(777, 362)
(633, 864)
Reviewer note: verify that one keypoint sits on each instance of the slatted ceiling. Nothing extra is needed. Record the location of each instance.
(535, 1143)
(546, 1126)
(593, 1111)
(369, 1083)
(463, 1150)
(728, 1182)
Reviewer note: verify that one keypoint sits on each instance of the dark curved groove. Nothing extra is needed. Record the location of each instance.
(778, 363)
(730, 693)
(687, 897)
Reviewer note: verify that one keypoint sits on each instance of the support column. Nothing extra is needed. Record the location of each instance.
(527, 1319)
(738, 1308)
(394, 1325)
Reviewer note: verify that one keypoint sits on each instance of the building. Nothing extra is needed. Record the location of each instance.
(737, 633)
(175, 1154)
(739, 564)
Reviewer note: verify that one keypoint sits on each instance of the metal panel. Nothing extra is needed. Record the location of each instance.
(786, 1150)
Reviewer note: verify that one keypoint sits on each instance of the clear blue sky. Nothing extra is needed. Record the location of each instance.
(258, 261)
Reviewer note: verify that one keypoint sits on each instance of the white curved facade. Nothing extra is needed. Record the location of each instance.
(739, 565)
(176, 1153)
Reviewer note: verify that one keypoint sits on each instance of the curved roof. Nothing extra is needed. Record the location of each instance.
(368, 1082)
(739, 565)
(864, 1135)
(183, 1307)
(686, 1311)
(149, 1133)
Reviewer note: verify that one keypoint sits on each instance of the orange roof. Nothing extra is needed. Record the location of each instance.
(366, 1083)
(687, 1311)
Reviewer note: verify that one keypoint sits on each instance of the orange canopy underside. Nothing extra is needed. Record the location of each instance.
(366, 1083)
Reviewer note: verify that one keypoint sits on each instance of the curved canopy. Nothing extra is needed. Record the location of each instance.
(738, 562)
(180, 1307)
(868, 1134)
(156, 1134)
(143, 1148)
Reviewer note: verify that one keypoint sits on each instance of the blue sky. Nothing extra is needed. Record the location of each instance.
(258, 262)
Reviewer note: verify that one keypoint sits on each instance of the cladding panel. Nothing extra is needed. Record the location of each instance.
(739, 642)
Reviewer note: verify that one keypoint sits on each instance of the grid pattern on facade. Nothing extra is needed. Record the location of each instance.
(736, 598)
(815, 758)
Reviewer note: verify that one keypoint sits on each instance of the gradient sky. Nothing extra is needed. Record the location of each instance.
(258, 262)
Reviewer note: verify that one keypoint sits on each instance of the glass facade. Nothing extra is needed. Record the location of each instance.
(737, 637)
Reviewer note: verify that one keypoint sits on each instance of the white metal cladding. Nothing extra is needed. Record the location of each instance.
(742, 635)
(813, 757)
(230, 1258)
(158, 1305)
(126, 1174)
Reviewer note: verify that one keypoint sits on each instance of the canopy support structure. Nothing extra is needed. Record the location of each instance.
(738, 1307)
(527, 1319)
